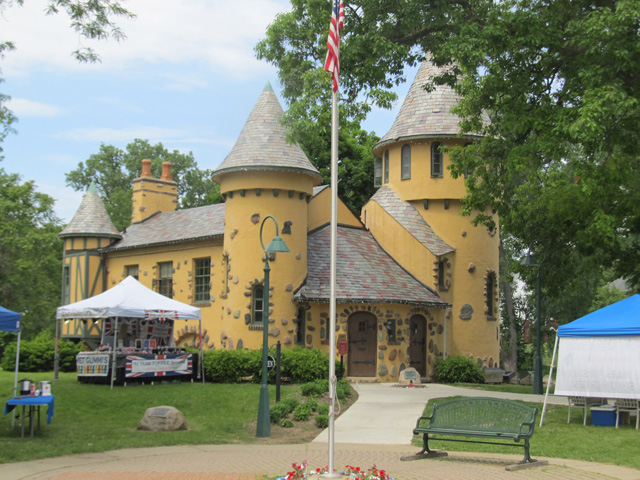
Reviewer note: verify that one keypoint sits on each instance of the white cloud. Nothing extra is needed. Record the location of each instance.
(106, 135)
(220, 35)
(28, 108)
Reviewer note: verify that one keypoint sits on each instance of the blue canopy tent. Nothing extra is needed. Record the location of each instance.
(10, 322)
(599, 354)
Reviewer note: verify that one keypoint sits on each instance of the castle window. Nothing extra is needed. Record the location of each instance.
(441, 284)
(257, 305)
(165, 279)
(386, 166)
(377, 173)
(66, 285)
(302, 327)
(392, 335)
(436, 160)
(406, 162)
(132, 271)
(490, 294)
(202, 280)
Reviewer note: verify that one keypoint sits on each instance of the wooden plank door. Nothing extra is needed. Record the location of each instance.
(418, 344)
(362, 345)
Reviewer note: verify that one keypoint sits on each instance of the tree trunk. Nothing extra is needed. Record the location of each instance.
(510, 362)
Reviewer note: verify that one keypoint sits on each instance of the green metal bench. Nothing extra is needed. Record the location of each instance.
(479, 417)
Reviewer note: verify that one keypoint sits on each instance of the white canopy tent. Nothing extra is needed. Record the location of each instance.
(599, 354)
(130, 299)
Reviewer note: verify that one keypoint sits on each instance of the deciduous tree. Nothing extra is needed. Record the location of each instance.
(113, 170)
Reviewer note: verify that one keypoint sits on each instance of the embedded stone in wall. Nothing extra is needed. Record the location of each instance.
(298, 256)
(383, 371)
(234, 233)
(274, 331)
(284, 321)
(471, 268)
(309, 339)
(380, 355)
(311, 328)
(255, 218)
(382, 347)
(380, 336)
(247, 318)
(240, 344)
(431, 345)
(466, 312)
(440, 329)
(490, 362)
(235, 280)
(464, 233)
(287, 340)
(402, 367)
(290, 330)
(393, 354)
(236, 314)
(394, 371)
(230, 343)
(323, 332)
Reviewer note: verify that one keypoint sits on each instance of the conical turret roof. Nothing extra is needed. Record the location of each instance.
(91, 218)
(262, 144)
(426, 114)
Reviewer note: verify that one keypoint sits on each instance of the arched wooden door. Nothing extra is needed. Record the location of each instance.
(418, 344)
(362, 345)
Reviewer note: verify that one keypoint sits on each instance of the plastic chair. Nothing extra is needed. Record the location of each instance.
(627, 405)
(584, 403)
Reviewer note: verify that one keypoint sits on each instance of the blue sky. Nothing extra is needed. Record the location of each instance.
(185, 76)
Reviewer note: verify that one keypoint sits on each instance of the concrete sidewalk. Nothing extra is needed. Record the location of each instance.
(375, 430)
(386, 413)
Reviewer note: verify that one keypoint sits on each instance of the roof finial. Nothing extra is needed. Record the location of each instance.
(267, 87)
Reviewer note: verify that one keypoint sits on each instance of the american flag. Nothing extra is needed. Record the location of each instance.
(332, 63)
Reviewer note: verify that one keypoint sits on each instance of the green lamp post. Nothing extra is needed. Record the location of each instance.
(530, 261)
(276, 245)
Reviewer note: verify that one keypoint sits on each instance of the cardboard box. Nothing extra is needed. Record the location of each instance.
(603, 416)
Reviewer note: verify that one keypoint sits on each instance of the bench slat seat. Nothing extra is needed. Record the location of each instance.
(479, 417)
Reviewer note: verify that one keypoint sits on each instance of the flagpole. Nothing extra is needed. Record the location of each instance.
(332, 295)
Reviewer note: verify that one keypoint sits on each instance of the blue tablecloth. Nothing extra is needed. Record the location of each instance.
(31, 401)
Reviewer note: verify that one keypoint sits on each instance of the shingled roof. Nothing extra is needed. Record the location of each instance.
(426, 114)
(91, 218)
(262, 144)
(365, 272)
(407, 216)
(173, 227)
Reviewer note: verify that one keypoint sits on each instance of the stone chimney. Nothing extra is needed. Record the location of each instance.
(153, 195)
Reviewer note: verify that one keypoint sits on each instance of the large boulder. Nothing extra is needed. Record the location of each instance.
(163, 419)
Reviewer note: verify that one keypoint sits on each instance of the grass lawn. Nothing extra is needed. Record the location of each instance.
(558, 439)
(93, 418)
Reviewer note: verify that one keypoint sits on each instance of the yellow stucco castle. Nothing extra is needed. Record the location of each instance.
(415, 280)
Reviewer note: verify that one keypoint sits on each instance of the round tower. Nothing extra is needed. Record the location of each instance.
(83, 268)
(412, 161)
(263, 176)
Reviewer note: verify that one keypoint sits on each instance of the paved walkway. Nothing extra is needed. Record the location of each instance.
(381, 408)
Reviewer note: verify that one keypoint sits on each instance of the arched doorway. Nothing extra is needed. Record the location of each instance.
(362, 345)
(418, 344)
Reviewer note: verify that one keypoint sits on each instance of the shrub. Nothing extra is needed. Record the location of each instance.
(302, 365)
(322, 420)
(316, 388)
(289, 403)
(286, 423)
(313, 403)
(343, 389)
(302, 412)
(459, 369)
(323, 409)
(230, 366)
(278, 412)
(38, 354)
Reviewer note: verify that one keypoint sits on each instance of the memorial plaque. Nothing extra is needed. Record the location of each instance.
(161, 412)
